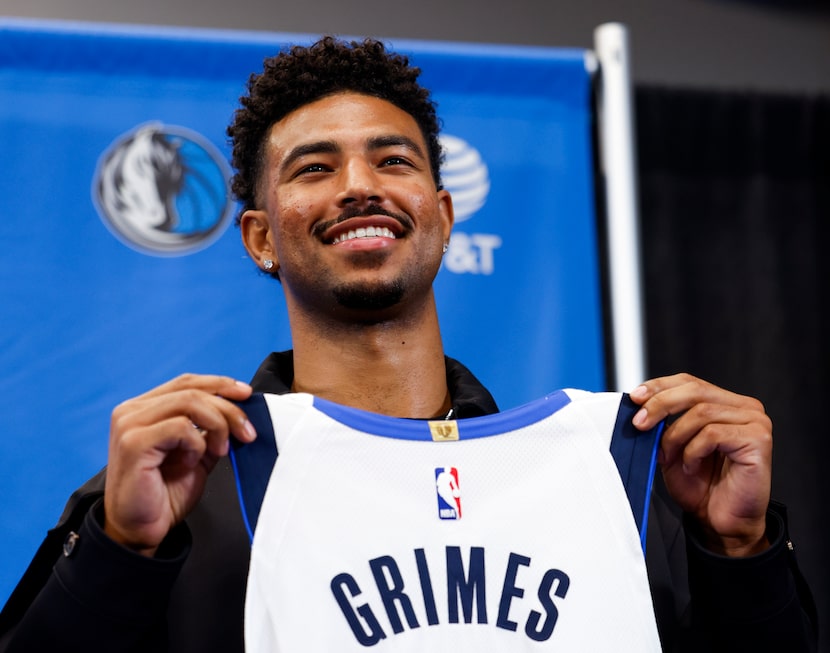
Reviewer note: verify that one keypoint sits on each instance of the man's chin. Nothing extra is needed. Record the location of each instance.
(362, 297)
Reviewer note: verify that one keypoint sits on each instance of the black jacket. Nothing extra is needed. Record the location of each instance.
(83, 592)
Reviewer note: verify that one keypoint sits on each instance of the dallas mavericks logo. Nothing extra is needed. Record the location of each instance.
(163, 190)
(465, 175)
(449, 492)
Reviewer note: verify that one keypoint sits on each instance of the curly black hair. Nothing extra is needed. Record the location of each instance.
(303, 74)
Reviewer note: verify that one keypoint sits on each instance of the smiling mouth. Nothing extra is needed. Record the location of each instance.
(358, 222)
(364, 232)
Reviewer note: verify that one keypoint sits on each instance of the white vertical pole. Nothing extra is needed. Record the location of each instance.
(618, 163)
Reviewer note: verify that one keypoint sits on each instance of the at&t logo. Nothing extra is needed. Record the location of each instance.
(466, 177)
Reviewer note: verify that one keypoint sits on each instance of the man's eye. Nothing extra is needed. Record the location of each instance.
(395, 161)
(314, 167)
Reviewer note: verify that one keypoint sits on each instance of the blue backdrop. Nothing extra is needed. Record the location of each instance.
(97, 308)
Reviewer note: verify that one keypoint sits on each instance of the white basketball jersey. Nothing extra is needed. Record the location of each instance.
(510, 532)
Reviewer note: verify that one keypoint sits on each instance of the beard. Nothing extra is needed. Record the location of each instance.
(369, 297)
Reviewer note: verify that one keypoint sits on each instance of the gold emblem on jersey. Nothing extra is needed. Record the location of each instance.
(444, 431)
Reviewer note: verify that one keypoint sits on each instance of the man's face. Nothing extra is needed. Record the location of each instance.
(354, 220)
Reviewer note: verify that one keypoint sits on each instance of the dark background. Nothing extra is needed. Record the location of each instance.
(735, 205)
(733, 136)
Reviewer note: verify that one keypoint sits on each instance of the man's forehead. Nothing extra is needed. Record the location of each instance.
(345, 120)
(346, 106)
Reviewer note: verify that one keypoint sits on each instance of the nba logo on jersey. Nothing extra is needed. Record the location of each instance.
(448, 492)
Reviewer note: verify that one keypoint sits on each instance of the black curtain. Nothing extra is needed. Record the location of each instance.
(735, 206)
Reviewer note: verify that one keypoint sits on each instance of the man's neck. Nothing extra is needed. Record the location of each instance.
(394, 367)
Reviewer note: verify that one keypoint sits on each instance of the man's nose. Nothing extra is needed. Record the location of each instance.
(359, 183)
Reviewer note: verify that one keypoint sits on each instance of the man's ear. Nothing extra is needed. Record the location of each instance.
(256, 236)
(447, 213)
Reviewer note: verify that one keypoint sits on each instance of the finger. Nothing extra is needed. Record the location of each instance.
(651, 412)
(657, 384)
(735, 442)
(214, 414)
(706, 421)
(159, 438)
(221, 419)
(180, 435)
(668, 396)
(224, 386)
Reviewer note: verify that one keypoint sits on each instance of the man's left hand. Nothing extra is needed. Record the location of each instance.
(716, 457)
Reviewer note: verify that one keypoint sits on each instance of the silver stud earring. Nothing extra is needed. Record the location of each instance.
(268, 264)
(445, 247)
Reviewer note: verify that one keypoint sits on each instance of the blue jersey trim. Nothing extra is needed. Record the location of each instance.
(256, 458)
(651, 472)
(241, 494)
(469, 428)
(635, 453)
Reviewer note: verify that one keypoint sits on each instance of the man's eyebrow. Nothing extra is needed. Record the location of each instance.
(331, 147)
(392, 140)
(317, 147)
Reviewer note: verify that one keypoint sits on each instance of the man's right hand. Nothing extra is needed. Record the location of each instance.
(163, 445)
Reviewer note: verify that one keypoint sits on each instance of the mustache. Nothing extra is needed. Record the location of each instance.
(364, 212)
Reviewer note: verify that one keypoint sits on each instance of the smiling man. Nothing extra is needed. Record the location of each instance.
(354, 226)
(338, 172)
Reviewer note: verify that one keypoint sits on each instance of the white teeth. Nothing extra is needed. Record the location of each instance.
(367, 232)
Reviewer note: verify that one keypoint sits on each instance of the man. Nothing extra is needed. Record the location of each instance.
(338, 174)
